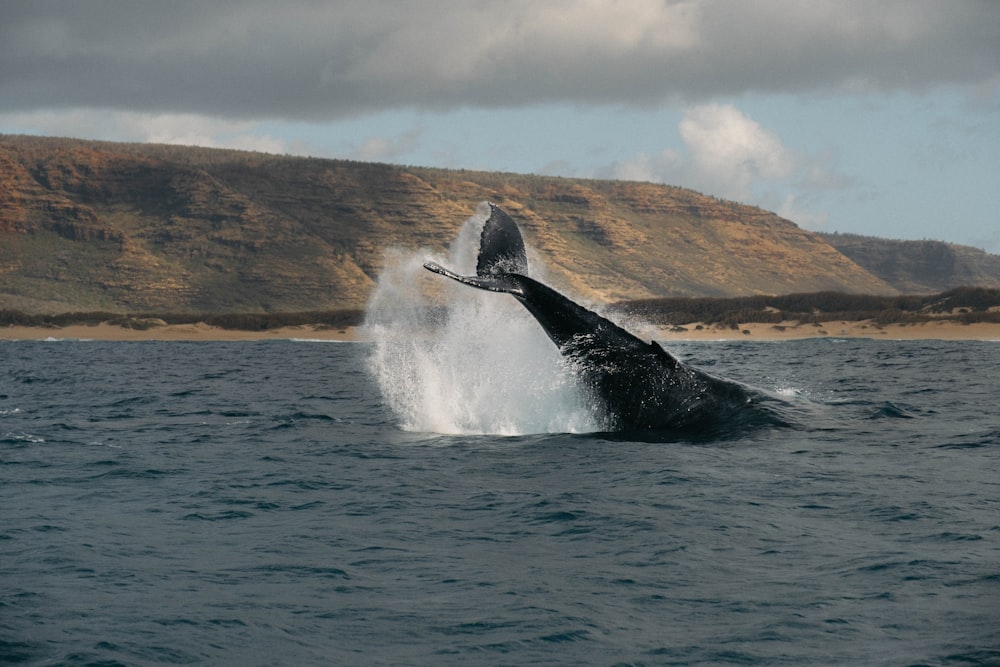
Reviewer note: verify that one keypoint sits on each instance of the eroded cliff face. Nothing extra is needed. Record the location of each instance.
(920, 267)
(92, 225)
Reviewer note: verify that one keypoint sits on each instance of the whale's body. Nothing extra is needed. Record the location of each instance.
(638, 385)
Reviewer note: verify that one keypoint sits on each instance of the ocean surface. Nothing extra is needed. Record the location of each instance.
(281, 503)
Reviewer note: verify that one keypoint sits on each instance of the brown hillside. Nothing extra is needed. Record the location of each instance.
(136, 227)
(920, 267)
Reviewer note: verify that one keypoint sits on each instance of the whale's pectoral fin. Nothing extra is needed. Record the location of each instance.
(501, 283)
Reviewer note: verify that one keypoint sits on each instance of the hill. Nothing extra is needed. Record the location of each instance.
(920, 267)
(90, 225)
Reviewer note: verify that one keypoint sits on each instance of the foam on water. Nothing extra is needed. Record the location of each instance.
(456, 360)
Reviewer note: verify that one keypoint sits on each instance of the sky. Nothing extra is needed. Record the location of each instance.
(878, 117)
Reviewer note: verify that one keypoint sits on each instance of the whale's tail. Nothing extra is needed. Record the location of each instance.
(635, 385)
(501, 255)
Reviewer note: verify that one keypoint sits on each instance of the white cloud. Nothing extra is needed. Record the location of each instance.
(195, 130)
(728, 154)
(184, 128)
(731, 152)
(384, 149)
(803, 217)
(664, 167)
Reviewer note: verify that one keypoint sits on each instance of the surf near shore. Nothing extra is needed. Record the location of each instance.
(934, 330)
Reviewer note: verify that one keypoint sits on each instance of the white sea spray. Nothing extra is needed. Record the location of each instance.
(452, 359)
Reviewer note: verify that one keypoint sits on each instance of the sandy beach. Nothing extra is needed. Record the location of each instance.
(939, 330)
(175, 332)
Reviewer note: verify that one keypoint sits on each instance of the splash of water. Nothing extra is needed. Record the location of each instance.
(456, 360)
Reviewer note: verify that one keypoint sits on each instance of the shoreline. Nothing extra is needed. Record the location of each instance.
(935, 330)
(177, 332)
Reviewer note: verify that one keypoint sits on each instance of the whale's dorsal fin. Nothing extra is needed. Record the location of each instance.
(501, 248)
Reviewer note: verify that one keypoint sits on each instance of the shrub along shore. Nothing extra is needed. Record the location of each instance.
(972, 313)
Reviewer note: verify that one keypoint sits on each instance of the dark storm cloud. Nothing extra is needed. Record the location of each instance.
(320, 60)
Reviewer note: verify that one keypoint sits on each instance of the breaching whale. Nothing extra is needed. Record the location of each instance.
(636, 385)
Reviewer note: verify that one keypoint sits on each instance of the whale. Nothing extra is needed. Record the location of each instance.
(633, 385)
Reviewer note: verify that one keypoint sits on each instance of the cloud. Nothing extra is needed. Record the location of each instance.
(183, 128)
(728, 154)
(384, 149)
(804, 217)
(195, 130)
(318, 60)
(664, 167)
(730, 151)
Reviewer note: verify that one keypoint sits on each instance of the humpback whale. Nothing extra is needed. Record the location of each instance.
(635, 385)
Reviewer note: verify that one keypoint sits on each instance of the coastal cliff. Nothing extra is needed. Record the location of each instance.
(90, 225)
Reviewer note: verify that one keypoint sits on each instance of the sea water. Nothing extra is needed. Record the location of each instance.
(265, 503)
